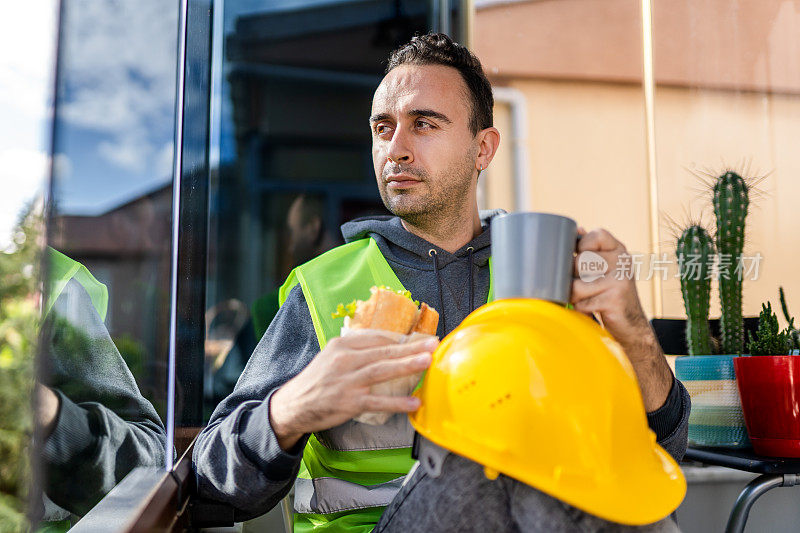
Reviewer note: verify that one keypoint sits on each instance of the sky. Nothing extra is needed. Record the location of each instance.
(27, 46)
(116, 103)
(116, 108)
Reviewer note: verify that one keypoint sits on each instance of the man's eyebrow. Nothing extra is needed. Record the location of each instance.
(378, 117)
(430, 113)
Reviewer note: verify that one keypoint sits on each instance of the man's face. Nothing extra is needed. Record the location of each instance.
(422, 148)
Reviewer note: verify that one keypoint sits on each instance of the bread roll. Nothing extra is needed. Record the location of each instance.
(385, 310)
(427, 320)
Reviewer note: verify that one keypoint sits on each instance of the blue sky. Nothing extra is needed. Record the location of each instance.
(116, 108)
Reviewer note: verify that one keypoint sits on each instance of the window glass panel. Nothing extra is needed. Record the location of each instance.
(295, 89)
(103, 353)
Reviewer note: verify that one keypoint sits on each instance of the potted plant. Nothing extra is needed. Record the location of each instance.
(769, 385)
(716, 417)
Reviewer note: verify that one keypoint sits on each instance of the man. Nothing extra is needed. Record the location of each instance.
(432, 135)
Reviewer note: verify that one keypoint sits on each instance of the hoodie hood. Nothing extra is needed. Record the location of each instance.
(454, 283)
(400, 245)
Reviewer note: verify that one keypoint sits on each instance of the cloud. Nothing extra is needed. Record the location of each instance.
(27, 38)
(119, 77)
(62, 167)
(165, 159)
(22, 173)
(127, 152)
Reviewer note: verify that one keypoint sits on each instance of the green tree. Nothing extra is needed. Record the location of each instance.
(19, 320)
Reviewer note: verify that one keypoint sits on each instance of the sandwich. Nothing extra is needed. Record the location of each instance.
(395, 312)
(389, 310)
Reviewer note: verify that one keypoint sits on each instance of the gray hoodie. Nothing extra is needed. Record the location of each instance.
(237, 458)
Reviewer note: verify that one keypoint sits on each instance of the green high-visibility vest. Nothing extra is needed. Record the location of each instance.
(61, 270)
(349, 473)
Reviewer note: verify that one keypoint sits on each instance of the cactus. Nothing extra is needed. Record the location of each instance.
(695, 249)
(731, 200)
(769, 339)
(794, 333)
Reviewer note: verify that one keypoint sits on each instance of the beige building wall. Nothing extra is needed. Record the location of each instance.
(587, 161)
(707, 129)
(586, 158)
(585, 119)
(496, 189)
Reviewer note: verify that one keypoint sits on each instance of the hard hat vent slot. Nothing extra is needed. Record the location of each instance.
(500, 400)
(465, 387)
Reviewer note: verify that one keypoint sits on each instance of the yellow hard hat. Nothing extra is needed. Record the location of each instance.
(544, 395)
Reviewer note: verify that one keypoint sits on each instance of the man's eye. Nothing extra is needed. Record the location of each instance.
(423, 124)
(381, 129)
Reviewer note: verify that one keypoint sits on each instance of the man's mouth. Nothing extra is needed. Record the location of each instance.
(401, 181)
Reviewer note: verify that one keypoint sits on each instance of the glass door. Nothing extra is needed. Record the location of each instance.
(101, 395)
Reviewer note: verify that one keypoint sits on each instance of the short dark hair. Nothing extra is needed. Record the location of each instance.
(440, 49)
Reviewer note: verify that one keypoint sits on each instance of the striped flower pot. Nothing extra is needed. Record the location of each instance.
(716, 417)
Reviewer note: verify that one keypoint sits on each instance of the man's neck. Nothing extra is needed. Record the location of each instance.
(450, 237)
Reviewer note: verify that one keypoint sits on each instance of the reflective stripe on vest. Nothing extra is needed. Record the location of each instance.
(61, 270)
(354, 468)
(343, 494)
(354, 436)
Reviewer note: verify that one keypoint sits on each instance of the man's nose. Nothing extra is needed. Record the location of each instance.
(400, 147)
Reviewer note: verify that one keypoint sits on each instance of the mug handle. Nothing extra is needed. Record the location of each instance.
(577, 240)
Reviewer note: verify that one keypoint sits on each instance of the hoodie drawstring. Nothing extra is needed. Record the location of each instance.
(471, 283)
(433, 254)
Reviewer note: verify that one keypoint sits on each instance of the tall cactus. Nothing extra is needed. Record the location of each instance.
(694, 251)
(731, 199)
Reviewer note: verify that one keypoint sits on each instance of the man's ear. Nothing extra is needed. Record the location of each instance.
(488, 141)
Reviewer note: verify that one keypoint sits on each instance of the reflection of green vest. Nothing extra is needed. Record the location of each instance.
(351, 472)
(61, 270)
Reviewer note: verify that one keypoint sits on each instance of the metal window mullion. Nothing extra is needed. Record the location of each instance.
(176, 204)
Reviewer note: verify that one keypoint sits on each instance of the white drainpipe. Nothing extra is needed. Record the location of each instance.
(519, 137)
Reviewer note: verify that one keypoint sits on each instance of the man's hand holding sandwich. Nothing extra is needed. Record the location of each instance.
(336, 386)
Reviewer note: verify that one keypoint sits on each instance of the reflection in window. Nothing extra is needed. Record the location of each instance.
(295, 154)
(96, 424)
(101, 394)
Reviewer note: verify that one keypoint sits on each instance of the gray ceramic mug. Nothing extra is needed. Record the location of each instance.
(532, 256)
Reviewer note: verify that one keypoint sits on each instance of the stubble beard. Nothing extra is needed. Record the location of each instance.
(441, 202)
